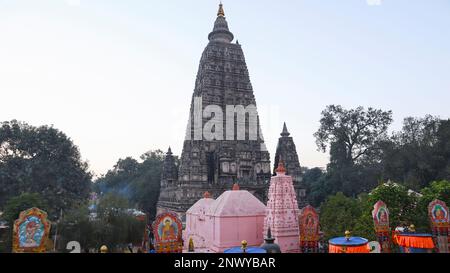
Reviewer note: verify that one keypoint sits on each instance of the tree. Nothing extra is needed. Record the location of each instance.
(419, 153)
(353, 133)
(442, 147)
(148, 185)
(77, 226)
(315, 179)
(353, 138)
(113, 225)
(138, 182)
(401, 202)
(413, 155)
(15, 205)
(41, 160)
(436, 190)
(116, 226)
(338, 214)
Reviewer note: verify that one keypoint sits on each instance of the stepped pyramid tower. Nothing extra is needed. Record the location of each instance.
(223, 145)
(287, 151)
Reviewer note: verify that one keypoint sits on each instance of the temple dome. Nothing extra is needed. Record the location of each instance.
(237, 203)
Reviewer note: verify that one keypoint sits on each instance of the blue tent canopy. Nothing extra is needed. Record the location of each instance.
(248, 250)
(352, 241)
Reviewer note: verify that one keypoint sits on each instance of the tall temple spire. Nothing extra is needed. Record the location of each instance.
(213, 165)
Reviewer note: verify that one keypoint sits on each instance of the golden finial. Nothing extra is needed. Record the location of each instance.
(104, 249)
(412, 228)
(221, 13)
(191, 245)
(347, 235)
(244, 246)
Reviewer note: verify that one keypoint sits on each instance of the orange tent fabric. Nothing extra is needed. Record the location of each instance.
(413, 241)
(348, 249)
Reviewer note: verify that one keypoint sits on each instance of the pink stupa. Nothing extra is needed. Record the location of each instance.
(197, 226)
(282, 211)
(216, 225)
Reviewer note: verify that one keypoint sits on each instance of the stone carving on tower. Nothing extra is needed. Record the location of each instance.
(236, 152)
(287, 151)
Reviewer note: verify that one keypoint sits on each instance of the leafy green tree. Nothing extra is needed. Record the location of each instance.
(15, 205)
(419, 153)
(76, 225)
(338, 214)
(138, 182)
(354, 132)
(148, 184)
(364, 226)
(353, 138)
(315, 182)
(41, 160)
(116, 226)
(401, 202)
(436, 190)
(113, 225)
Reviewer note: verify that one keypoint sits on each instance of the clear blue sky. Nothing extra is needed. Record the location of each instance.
(118, 76)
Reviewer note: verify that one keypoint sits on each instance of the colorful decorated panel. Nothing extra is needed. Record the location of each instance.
(380, 215)
(309, 224)
(438, 213)
(349, 245)
(439, 218)
(31, 231)
(309, 230)
(167, 229)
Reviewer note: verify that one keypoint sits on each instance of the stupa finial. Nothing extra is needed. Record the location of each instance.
(281, 168)
(191, 245)
(348, 234)
(221, 12)
(244, 246)
(269, 233)
(285, 131)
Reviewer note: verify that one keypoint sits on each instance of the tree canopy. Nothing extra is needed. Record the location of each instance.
(41, 160)
(138, 182)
